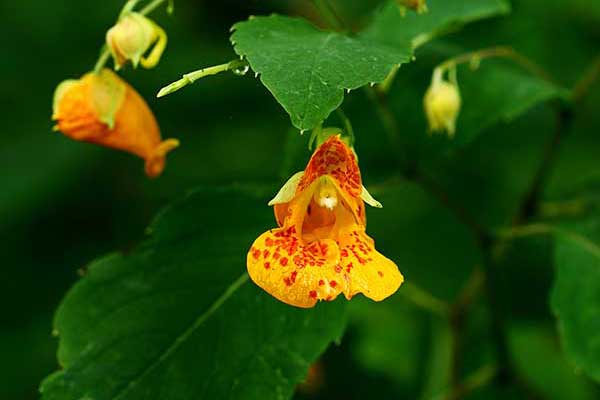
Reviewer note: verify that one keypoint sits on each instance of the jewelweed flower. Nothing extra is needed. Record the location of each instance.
(103, 109)
(442, 104)
(131, 37)
(320, 248)
(419, 6)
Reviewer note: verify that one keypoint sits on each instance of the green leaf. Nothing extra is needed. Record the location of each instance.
(498, 92)
(178, 318)
(539, 361)
(307, 69)
(410, 29)
(576, 294)
(388, 338)
(412, 223)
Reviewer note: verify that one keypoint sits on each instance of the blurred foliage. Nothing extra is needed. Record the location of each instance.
(65, 203)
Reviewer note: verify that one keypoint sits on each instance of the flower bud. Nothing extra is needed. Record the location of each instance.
(442, 104)
(103, 109)
(131, 37)
(417, 5)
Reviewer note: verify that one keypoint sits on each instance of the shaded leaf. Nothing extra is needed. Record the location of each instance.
(576, 293)
(389, 339)
(307, 69)
(391, 27)
(536, 352)
(181, 320)
(498, 92)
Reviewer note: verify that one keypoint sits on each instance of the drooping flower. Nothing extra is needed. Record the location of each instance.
(321, 248)
(442, 104)
(419, 6)
(132, 36)
(103, 109)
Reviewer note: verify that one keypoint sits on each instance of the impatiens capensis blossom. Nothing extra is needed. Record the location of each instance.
(419, 6)
(321, 248)
(131, 37)
(103, 109)
(442, 104)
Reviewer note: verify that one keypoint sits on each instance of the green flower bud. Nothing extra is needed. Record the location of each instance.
(131, 37)
(442, 104)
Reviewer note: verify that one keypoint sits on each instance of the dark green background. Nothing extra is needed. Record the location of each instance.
(64, 203)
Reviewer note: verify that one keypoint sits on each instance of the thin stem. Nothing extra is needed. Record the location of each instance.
(530, 203)
(458, 314)
(437, 191)
(191, 77)
(425, 300)
(499, 330)
(538, 229)
(475, 57)
(102, 60)
(387, 118)
(329, 14)
(554, 209)
(347, 124)
(385, 86)
(478, 379)
(151, 6)
(583, 86)
(129, 5)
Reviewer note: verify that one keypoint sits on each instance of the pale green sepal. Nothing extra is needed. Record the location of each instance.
(367, 198)
(60, 91)
(288, 190)
(108, 97)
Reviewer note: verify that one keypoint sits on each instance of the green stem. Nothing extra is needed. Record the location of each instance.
(129, 5)
(478, 379)
(201, 73)
(582, 87)
(530, 203)
(458, 314)
(347, 124)
(425, 300)
(539, 229)
(385, 86)
(102, 60)
(151, 6)
(475, 57)
(329, 14)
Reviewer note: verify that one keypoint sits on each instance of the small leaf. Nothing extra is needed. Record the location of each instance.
(307, 69)
(499, 92)
(539, 360)
(390, 26)
(178, 318)
(576, 294)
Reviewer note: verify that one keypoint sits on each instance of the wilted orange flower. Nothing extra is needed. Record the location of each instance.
(101, 108)
(321, 248)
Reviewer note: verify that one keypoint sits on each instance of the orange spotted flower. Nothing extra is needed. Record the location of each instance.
(103, 109)
(321, 248)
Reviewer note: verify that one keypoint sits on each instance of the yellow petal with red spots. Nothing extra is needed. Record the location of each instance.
(320, 248)
(294, 272)
(367, 270)
(103, 109)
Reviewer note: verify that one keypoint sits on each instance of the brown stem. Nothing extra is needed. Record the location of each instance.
(582, 87)
(531, 200)
(458, 315)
